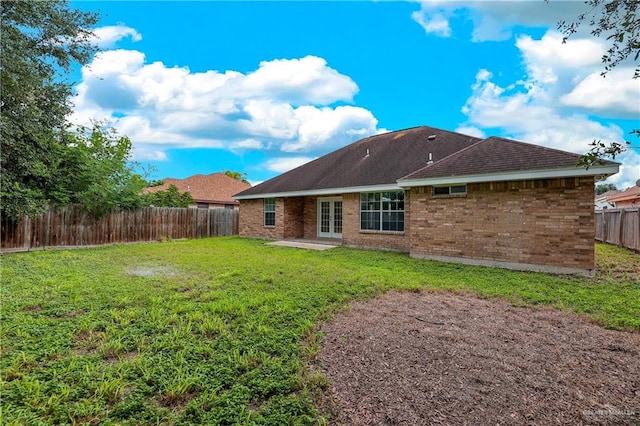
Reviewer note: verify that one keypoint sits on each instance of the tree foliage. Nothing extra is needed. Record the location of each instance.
(170, 197)
(618, 21)
(43, 159)
(41, 41)
(604, 187)
(242, 177)
(93, 171)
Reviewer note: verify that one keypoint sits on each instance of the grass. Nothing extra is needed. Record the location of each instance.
(223, 330)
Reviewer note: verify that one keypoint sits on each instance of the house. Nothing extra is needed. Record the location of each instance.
(602, 200)
(208, 191)
(629, 198)
(438, 195)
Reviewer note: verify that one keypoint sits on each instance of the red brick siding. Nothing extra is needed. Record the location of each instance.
(293, 217)
(252, 219)
(311, 217)
(352, 236)
(538, 222)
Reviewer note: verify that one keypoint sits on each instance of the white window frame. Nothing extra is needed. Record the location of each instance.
(381, 211)
(269, 207)
(458, 190)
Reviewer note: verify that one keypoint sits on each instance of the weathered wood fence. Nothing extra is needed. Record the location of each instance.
(70, 227)
(619, 226)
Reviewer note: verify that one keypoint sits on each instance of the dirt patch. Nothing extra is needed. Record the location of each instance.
(441, 358)
(151, 271)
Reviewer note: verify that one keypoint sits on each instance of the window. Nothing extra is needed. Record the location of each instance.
(202, 205)
(450, 190)
(269, 212)
(382, 211)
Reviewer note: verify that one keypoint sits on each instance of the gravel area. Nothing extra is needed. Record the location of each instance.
(430, 358)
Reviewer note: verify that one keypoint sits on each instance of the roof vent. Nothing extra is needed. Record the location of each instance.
(431, 137)
(367, 152)
(430, 159)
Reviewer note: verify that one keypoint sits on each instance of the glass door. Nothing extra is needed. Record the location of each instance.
(330, 217)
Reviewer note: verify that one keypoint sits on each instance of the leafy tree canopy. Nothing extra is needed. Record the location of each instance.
(41, 41)
(604, 187)
(242, 177)
(45, 161)
(93, 170)
(170, 197)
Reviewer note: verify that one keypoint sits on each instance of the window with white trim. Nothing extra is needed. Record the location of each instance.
(382, 211)
(269, 212)
(450, 190)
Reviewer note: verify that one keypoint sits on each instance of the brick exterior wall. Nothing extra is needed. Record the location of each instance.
(545, 225)
(293, 217)
(540, 222)
(252, 220)
(352, 236)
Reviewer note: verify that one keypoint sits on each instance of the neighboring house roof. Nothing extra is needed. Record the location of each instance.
(606, 195)
(602, 201)
(629, 194)
(401, 159)
(215, 188)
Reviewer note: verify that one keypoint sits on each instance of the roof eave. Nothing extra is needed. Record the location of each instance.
(602, 171)
(324, 191)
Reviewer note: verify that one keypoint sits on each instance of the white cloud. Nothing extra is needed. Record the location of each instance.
(524, 111)
(284, 164)
(629, 170)
(148, 153)
(471, 131)
(616, 92)
(433, 23)
(284, 105)
(108, 36)
(541, 108)
(495, 20)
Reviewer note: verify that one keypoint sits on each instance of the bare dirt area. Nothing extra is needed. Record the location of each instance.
(441, 358)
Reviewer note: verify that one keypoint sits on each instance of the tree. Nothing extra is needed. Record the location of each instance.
(242, 177)
(93, 170)
(41, 41)
(170, 197)
(604, 187)
(619, 22)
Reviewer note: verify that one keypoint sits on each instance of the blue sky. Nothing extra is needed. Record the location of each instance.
(263, 87)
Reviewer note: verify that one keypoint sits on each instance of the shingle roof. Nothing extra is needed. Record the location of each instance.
(628, 194)
(390, 157)
(402, 158)
(497, 155)
(215, 188)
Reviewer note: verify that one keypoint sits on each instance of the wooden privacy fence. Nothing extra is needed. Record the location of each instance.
(619, 226)
(71, 227)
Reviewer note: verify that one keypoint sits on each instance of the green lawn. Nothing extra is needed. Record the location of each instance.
(222, 330)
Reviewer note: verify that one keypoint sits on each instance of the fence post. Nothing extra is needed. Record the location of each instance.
(27, 233)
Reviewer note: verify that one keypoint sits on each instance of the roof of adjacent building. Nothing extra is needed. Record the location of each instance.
(425, 156)
(215, 188)
(631, 193)
(606, 195)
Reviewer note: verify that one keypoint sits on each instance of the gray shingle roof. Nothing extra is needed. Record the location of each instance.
(396, 157)
(391, 156)
(497, 155)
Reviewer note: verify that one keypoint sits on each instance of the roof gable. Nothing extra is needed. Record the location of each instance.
(214, 187)
(376, 160)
